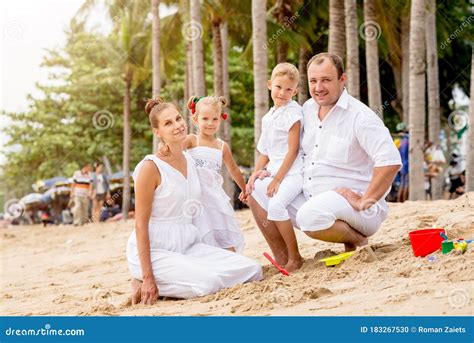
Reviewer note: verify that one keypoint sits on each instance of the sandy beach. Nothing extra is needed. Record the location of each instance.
(82, 271)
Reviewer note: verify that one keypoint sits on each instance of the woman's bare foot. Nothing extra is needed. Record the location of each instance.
(136, 291)
(230, 249)
(293, 265)
(351, 247)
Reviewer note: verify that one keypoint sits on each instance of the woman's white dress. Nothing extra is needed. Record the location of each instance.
(183, 266)
(216, 220)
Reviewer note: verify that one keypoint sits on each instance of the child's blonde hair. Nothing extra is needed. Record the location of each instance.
(286, 69)
(195, 102)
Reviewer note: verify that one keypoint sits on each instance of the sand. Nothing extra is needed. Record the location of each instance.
(82, 271)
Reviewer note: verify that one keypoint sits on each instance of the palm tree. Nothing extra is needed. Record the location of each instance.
(470, 139)
(282, 12)
(434, 119)
(226, 134)
(405, 44)
(199, 81)
(417, 99)
(372, 57)
(155, 11)
(337, 34)
(260, 65)
(352, 40)
(303, 83)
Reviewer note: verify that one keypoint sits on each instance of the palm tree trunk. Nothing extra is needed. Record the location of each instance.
(352, 40)
(217, 55)
(126, 146)
(434, 118)
(337, 33)
(155, 11)
(372, 58)
(405, 44)
(199, 83)
(417, 100)
(470, 137)
(303, 83)
(260, 65)
(281, 16)
(189, 87)
(229, 186)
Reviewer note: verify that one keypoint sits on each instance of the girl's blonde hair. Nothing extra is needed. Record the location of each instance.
(153, 109)
(195, 102)
(286, 69)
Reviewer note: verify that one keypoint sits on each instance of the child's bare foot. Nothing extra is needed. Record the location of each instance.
(136, 291)
(281, 259)
(293, 265)
(351, 247)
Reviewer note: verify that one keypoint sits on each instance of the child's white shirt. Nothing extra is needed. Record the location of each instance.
(273, 141)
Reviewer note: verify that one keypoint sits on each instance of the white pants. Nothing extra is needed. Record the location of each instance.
(202, 270)
(321, 211)
(290, 187)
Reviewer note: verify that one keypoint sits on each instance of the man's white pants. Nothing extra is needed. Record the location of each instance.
(321, 211)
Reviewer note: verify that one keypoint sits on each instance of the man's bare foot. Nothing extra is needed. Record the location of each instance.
(136, 291)
(281, 259)
(293, 265)
(351, 247)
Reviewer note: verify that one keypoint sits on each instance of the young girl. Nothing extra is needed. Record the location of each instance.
(216, 217)
(279, 145)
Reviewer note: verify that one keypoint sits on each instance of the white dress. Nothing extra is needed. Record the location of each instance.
(216, 221)
(183, 266)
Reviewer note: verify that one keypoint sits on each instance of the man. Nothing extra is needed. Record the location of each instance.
(350, 162)
(81, 193)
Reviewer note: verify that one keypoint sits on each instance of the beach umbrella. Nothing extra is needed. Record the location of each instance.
(52, 192)
(31, 198)
(48, 183)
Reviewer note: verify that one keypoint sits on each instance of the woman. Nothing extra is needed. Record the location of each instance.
(100, 191)
(165, 254)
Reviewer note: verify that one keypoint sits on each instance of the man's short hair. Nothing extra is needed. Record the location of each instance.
(335, 59)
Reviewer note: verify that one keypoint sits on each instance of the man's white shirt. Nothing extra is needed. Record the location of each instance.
(343, 148)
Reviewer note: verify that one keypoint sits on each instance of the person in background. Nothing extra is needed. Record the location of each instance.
(456, 176)
(404, 150)
(100, 191)
(81, 194)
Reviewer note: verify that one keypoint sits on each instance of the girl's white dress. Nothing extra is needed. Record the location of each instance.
(183, 266)
(216, 221)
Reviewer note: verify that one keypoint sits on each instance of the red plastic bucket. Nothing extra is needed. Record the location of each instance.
(426, 241)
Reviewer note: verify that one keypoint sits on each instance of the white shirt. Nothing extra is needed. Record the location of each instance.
(273, 140)
(343, 149)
